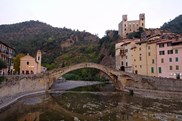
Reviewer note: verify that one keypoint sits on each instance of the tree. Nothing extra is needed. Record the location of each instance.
(16, 62)
(2, 64)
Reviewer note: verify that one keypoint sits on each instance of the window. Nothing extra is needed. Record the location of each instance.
(177, 59)
(169, 44)
(122, 63)
(170, 59)
(170, 51)
(22, 72)
(152, 69)
(140, 58)
(161, 45)
(140, 48)
(176, 51)
(148, 53)
(140, 66)
(38, 58)
(148, 47)
(126, 63)
(161, 52)
(27, 63)
(125, 29)
(153, 61)
(160, 70)
(162, 60)
(142, 24)
(170, 68)
(177, 67)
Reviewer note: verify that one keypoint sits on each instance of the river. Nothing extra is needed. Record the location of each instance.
(92, 103)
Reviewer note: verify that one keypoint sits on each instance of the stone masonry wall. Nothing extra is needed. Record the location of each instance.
(15, 85)
(155, 83)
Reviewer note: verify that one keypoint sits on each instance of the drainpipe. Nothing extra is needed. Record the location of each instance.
(146, 59)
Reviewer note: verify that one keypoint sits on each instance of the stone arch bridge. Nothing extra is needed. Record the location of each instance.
(118, 78)
(25, 84)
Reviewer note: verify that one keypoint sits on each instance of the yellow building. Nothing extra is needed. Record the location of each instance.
(152, 58)
(145, 58)
(140, 58)
(30, 65)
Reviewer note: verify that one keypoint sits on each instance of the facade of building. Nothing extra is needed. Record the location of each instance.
(124, 55)
(169, 58)
(118, 55)
(30, 65)
(160, 58)
(151, 58)
(140, 58)
(6, 54)
(145, 58)
(125, 27)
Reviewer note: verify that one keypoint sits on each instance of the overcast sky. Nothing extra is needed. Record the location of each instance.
(94, 16)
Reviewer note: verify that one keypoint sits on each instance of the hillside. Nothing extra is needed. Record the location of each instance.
(174, 25)
(28, 37)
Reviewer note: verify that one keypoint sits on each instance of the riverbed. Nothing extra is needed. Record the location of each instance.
(99, 102)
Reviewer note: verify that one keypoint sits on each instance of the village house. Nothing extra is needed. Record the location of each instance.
(160, 57)
(169, 59)
(30, 65)
(6, 54)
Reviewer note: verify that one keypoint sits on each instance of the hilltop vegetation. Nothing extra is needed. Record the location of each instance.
(28, 37)
(174, 25)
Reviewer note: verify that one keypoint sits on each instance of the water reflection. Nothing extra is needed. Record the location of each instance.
(92, 106)
(30, 117)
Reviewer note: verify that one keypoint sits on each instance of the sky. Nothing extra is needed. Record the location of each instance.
(94, 16)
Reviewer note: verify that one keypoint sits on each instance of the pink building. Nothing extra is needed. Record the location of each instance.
(169, 59)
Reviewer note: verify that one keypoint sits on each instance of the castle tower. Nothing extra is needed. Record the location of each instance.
(142, 20)
(126, 27)
(38, 60)
(123, 26)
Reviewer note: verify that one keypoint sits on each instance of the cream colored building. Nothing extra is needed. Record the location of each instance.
(124, 55)
(30, 65)
(118, 55)
(126, 27)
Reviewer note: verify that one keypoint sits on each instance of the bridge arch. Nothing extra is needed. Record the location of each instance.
(112, 73)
